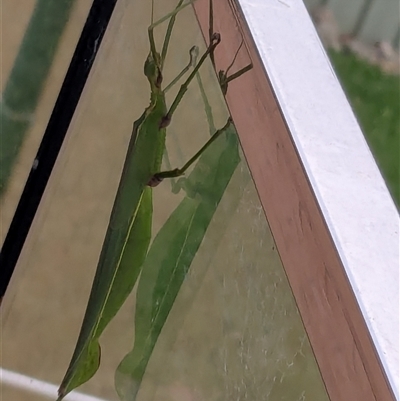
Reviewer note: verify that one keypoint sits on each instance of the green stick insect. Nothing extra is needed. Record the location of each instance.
(129, 232)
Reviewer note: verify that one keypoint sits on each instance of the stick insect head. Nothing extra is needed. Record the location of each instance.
(152, 71)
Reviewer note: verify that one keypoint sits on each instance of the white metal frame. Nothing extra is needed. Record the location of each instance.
(351, 192)
(48, 390)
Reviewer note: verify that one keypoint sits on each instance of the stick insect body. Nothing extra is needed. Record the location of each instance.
(129, 232)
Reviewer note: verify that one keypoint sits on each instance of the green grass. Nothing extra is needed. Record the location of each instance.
(375, 98)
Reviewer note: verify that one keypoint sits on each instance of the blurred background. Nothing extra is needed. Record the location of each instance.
(362, 39)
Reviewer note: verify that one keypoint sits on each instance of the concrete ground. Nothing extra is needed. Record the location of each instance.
(234, 332)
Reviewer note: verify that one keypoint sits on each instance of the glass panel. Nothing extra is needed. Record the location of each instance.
(233, 331)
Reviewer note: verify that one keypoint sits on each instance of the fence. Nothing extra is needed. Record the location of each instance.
(370, 20)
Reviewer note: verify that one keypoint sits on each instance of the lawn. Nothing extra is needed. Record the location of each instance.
(375, 98)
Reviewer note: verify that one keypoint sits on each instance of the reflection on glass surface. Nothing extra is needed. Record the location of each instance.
(40, 40)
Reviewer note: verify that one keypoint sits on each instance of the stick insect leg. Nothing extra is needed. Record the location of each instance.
(193, 52)
(168, 34)
(211, 47)
(158, 177)
(170, 16)
(223, 77)
(211, 29)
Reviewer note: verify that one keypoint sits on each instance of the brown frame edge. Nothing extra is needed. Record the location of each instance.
(344, 350)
